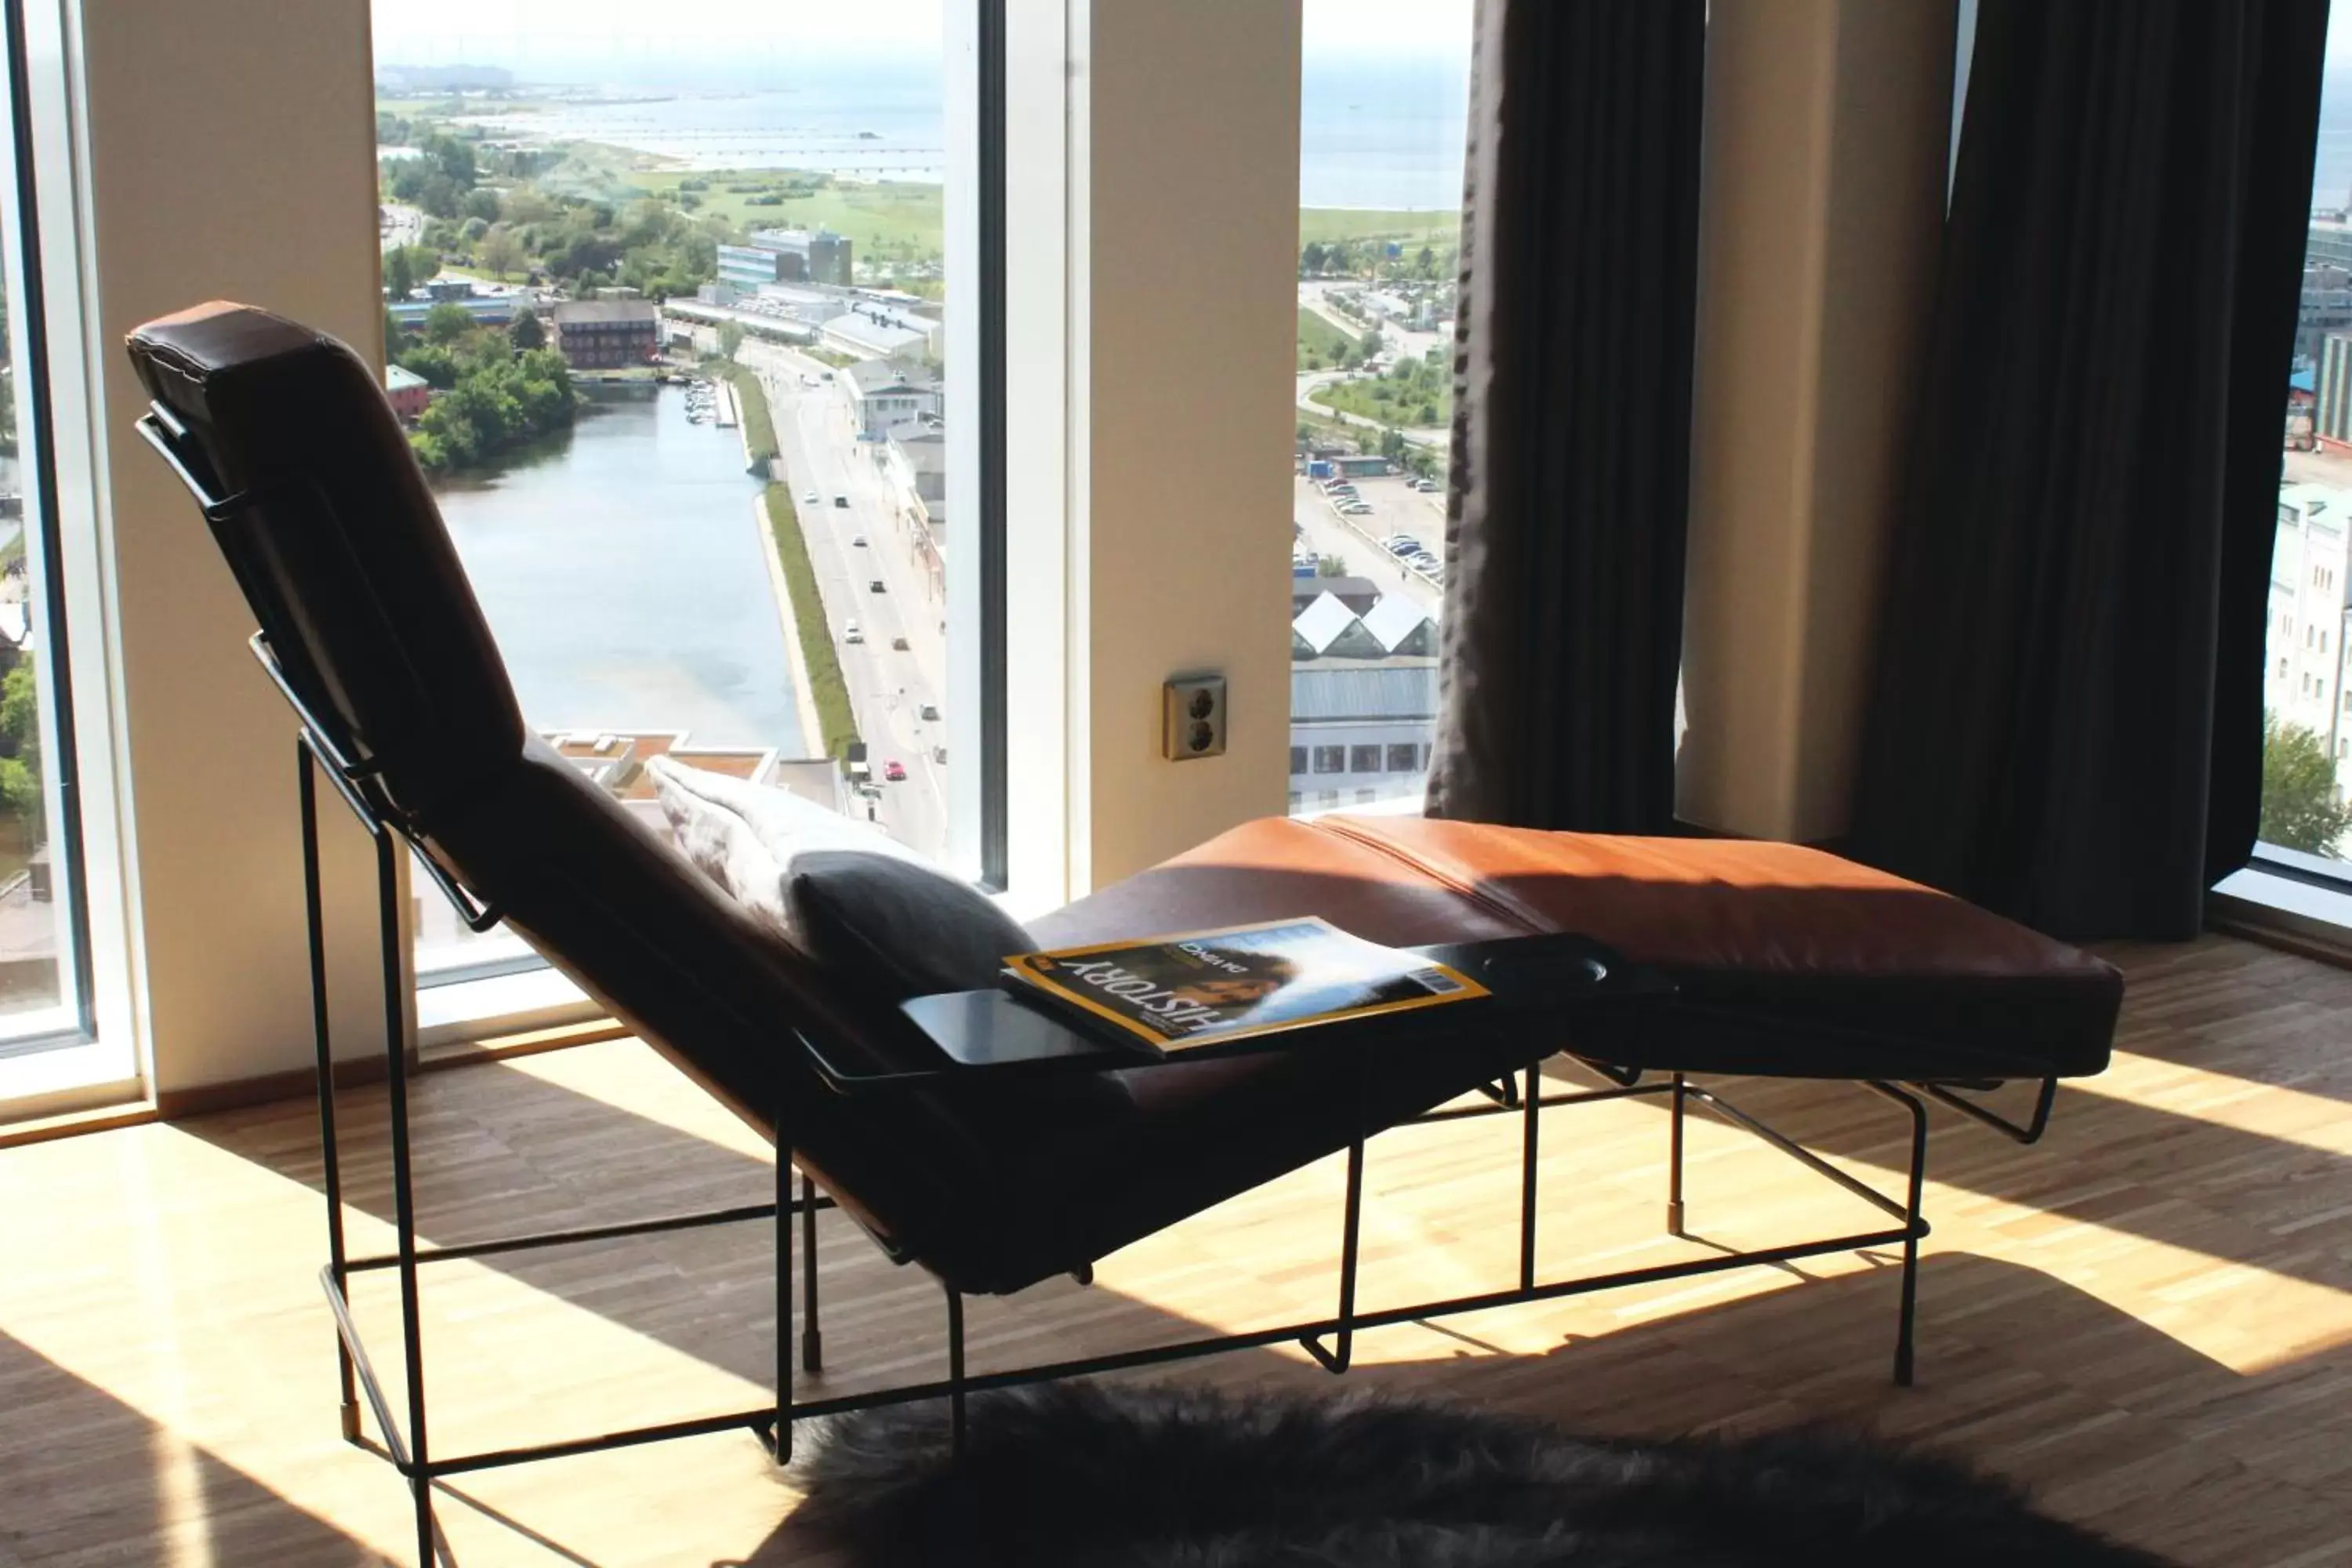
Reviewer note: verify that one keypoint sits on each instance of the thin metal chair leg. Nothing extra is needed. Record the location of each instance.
(1674, 1163)
(427, 1543)
(404, 1192)
(1530, 1104)
(956, 1422)
(812, 1336)
(1906, 1331)
(781, 1443)
(1335, 1360)
(330, 1149)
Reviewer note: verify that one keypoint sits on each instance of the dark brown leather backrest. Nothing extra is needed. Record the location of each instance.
(340, 550)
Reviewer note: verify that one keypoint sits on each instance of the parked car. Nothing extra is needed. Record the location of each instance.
(894, 771)
(875, 586)
(1403, 544)
(853, 632)
(898, 643)
(841, 501)
(1355, 508)
(930, 711)
(939, 755)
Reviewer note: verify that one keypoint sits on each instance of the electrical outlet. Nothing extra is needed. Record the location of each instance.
(1193, 717)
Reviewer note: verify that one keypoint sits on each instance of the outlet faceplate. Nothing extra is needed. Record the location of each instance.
(1193, 717)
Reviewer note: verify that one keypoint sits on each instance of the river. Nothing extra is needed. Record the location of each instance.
(622, 575)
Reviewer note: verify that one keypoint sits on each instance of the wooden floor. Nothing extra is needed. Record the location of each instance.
(2148, 1317)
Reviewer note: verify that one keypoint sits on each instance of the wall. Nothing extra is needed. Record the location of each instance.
(1827, 141)
(272, 203)
(1184, 243)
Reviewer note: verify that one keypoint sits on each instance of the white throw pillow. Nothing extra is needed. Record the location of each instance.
(744, 836)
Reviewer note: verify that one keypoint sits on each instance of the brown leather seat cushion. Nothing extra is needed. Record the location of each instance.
(1790, 962)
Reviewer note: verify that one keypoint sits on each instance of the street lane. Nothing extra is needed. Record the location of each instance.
(888, 688)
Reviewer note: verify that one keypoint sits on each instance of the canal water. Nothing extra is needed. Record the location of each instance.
(621, 570)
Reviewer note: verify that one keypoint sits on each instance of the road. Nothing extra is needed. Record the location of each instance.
(400, 225)
(1398, 509)
(888, 688)
(1313, 296)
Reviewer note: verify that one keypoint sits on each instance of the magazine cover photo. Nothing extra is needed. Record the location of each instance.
(1172, 991)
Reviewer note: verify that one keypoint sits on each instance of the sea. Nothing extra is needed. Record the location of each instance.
(1377, 132)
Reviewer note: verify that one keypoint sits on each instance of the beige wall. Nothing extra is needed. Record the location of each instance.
(1184, 245)
(273, 204)
(1828, 125)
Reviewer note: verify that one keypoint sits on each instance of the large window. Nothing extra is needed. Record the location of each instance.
(667, 312)
(45, 989)
(1384, 100)
(2307, 679)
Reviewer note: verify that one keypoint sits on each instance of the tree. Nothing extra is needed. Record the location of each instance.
(501, 252)
(527, 334)
(438, 195)
(2301, 809)
(20, 745)
(424, 264)
(453, 159)
(482, 203)
(1314, 257)
(730, 339)
(1428, 262)
(447, 322)
(399, 276)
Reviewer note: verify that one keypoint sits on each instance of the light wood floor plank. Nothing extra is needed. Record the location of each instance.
(2148, 1317)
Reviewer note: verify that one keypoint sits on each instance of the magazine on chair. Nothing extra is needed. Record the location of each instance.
(1175, 993)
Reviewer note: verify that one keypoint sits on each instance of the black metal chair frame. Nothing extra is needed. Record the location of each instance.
(1329, 1340)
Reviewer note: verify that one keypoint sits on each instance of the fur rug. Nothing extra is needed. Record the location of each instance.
(1081, 1476)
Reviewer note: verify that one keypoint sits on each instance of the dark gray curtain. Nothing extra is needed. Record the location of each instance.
(2065, 720)
(1572, 433)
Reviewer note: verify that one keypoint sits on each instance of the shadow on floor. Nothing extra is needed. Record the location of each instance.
(88, 1479)
(2025, 1376)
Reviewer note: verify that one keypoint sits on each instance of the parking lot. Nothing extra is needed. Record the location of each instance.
(1396, 508)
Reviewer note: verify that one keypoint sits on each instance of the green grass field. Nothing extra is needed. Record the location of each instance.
(1413, 229)
(1390, 404)
(1321, 344)
(751, 399)
(895, 219)
(825, 681)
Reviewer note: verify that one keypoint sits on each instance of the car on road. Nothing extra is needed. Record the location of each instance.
(875, 586)
(858, 540)
(930, 711)
(811, 498)
(841, 501)
(894, 771)
(898, 643)
(853, 632)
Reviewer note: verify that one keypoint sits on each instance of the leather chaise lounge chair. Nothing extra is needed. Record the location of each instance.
(1647, 959)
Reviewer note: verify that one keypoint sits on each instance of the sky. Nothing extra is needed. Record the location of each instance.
(2339, 36)
(560, 37)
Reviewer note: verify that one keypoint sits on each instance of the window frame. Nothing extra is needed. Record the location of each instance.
(91, 1051)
